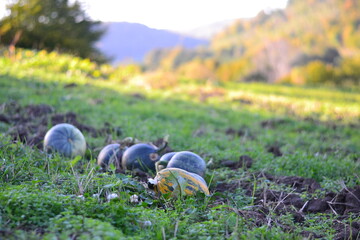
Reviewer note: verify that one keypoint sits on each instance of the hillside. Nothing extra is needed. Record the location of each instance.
(130, 42)
(310, 25)
(282, 162)
(308, 36)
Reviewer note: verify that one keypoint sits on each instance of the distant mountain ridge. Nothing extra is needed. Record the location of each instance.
(210, 30)
(278, 45)
(130, 42)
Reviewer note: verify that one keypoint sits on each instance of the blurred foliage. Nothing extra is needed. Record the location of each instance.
(330, 56)
(198, 69)
(232, 71)
(311, 41)
(316, 72)
(196, 85)
(170, 59)
(51, 25)
(345, 73)
(70, 65)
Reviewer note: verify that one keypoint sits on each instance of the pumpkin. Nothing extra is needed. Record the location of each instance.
(65, 139)
(111, 153)
(175, 182)
(188, 161)
(164, 160)
(141, 156)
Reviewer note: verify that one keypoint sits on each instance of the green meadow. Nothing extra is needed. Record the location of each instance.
(303, 131)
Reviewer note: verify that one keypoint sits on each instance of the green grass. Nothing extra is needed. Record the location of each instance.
(315, 129)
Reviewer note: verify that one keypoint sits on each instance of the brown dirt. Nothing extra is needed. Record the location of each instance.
(29, 124)
(347, 231)
(241, 132)
(290, 201)
(244, 101)
(138, 96)
(258, 218)
(272, 123)
(70, 85)
(244, 162)
(142, 176)
(274, 149)
(298, 183)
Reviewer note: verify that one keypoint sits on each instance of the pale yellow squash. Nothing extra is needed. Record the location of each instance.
(179, 182)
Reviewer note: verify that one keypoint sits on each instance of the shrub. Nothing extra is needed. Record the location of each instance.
(318, 72)
(315, 72)
(233, 71)
(198, 70)
(349, 71)
(124, 73)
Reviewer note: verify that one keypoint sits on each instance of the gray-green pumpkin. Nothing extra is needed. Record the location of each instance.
(110, 154)
(164, 161)
(65, 139)
(140, 156)
(188, 161)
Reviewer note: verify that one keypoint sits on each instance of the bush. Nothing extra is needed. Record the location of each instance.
(233, 71)
(124, 73)
(200, 70)
(317, 72)
(349, 71)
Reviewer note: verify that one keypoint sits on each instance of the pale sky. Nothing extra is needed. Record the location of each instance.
(173, 15)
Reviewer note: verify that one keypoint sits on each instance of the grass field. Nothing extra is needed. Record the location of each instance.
(303, 142)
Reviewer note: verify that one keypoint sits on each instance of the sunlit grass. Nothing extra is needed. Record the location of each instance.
(305, 102)
(195, 110)
(310, 126)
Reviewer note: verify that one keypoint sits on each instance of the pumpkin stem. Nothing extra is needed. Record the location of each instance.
(160, 165)
(166, 141)
(157, 167)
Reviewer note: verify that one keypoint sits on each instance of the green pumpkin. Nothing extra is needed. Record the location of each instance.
(110, 154)
(188, 161)
(164, 161)
(65, 139)
(141, 156)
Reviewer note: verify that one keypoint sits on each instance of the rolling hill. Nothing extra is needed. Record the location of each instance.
(310, 41)
(130, 42)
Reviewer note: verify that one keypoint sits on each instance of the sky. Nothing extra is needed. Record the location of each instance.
(175, 15)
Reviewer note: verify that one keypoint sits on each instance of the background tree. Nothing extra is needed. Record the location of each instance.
(51, 25)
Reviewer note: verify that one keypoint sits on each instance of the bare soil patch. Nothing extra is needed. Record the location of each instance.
(244, 162)
(340, 206)
(30, 123)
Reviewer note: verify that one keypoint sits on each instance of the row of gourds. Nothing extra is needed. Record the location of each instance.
(177, 173)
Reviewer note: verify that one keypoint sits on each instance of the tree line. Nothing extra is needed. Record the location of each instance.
(318, 38)
(51, 25)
